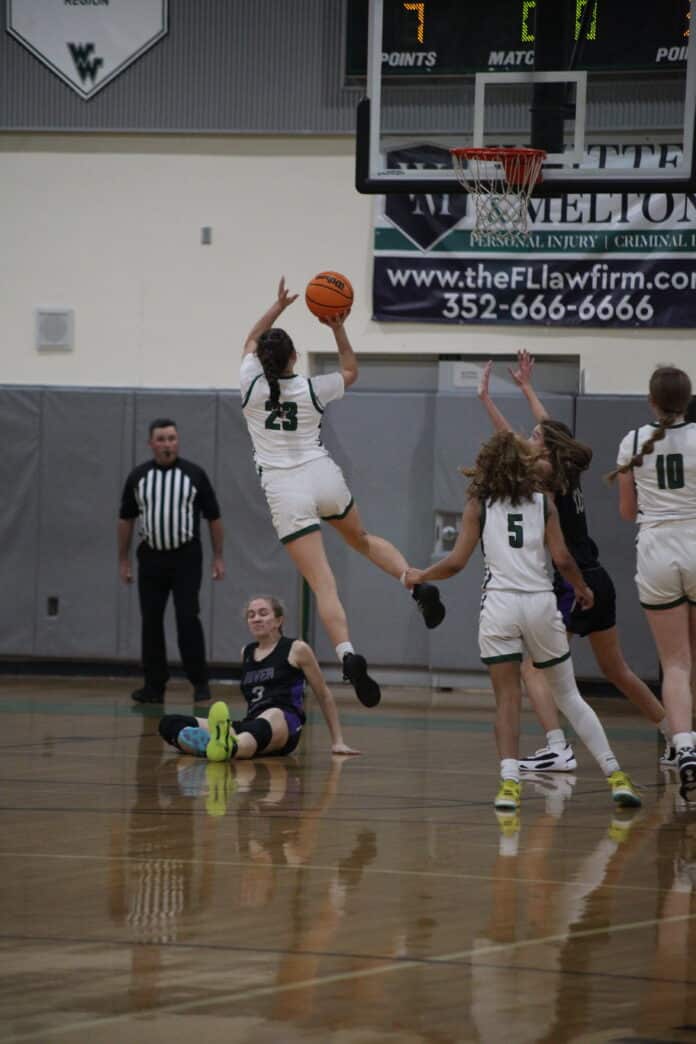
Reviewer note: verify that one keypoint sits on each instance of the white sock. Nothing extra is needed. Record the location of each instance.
(664, 728)
(342, 648)
(580, 715)
(608, 763)
(682, 740)
(510, 769)
(556, 739)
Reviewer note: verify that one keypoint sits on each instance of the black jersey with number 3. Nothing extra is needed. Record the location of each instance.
(272, 681)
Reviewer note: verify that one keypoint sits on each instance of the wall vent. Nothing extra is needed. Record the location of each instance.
(54, 329)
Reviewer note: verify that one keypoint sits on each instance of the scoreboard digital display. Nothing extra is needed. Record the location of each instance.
(450, 38)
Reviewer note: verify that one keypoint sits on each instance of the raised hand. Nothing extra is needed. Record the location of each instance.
(525, 364)
(334, 321)
(285, 298)
(485, 379)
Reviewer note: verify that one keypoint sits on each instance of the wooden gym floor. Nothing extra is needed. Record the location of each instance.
(149, 897)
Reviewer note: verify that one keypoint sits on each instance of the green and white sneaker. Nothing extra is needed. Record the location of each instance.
(222, 744)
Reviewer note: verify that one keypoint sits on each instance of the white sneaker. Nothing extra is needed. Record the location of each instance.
(548, 760)
(669, 758)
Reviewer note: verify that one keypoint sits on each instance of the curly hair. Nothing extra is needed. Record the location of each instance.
(273, 350)
(568, 457)
(504, 470)
(670, 393)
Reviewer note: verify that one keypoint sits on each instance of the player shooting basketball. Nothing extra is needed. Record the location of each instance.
(303, 485)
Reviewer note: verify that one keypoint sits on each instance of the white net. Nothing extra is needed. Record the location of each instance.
(500, 182)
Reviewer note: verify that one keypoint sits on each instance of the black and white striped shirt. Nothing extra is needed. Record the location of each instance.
(169, 502)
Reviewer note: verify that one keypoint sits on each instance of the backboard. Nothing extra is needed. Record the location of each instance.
(606, 87)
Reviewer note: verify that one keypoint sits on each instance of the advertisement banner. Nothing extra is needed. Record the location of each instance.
(616, 260)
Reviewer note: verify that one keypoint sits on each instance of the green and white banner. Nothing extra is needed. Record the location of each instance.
(621, 259)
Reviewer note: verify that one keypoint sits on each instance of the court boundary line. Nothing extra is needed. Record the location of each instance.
(388, 968)
(331, 868)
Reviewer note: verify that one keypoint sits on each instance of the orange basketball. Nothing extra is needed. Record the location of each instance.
(329, 294)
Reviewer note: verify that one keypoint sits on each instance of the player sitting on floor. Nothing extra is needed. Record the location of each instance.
(274, 672)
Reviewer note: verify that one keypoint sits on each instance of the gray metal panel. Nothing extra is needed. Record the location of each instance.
(267, 67)
(79, 481)
(255, 559)
(461, 426)
(384, 444)
(602, 421)
(20, 436)
(195, 414)
(225, 65)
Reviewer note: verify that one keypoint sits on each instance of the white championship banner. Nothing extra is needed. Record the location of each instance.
(87, 42)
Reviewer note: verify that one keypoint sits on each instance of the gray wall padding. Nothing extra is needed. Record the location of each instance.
(67, 453)
(20, 427)
(255, 559)
(79, 480)
(384, 444)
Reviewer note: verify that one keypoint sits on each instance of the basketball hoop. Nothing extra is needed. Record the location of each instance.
(501, 181)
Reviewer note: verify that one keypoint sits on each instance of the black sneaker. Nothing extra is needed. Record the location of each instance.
(201, 693)
(148, 695)
(355, 671)
(687, 774)
(427, 598)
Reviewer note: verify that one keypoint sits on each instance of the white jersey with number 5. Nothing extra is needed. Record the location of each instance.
(291, 434)
(666, 480)
(512, 536)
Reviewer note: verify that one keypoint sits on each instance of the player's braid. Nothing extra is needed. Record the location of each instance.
(670, 392)
(271, 371)
(273, 351)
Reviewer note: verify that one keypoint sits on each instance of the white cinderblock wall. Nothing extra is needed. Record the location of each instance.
(110, 225)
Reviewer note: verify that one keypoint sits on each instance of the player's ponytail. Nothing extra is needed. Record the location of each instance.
(273, 350)
(670, 394)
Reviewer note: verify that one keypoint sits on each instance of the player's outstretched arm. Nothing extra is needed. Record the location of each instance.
(522, 377)
(346, 356)
(453, 563)
(302, 656)
(499, 422)
(283, 300)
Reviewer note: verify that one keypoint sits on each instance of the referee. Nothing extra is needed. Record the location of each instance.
(169, 494)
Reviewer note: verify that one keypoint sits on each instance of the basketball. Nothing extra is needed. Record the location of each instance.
(329, 294)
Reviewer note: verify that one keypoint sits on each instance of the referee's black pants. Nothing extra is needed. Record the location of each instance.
(177, 572)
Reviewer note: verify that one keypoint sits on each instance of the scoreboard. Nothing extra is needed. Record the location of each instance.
(451, 38)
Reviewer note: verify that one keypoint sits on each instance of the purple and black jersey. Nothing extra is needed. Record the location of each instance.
(272, 681)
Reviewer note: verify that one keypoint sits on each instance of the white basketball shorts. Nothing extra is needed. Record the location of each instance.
(300, 497)
(666, 564)
(515, 622)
